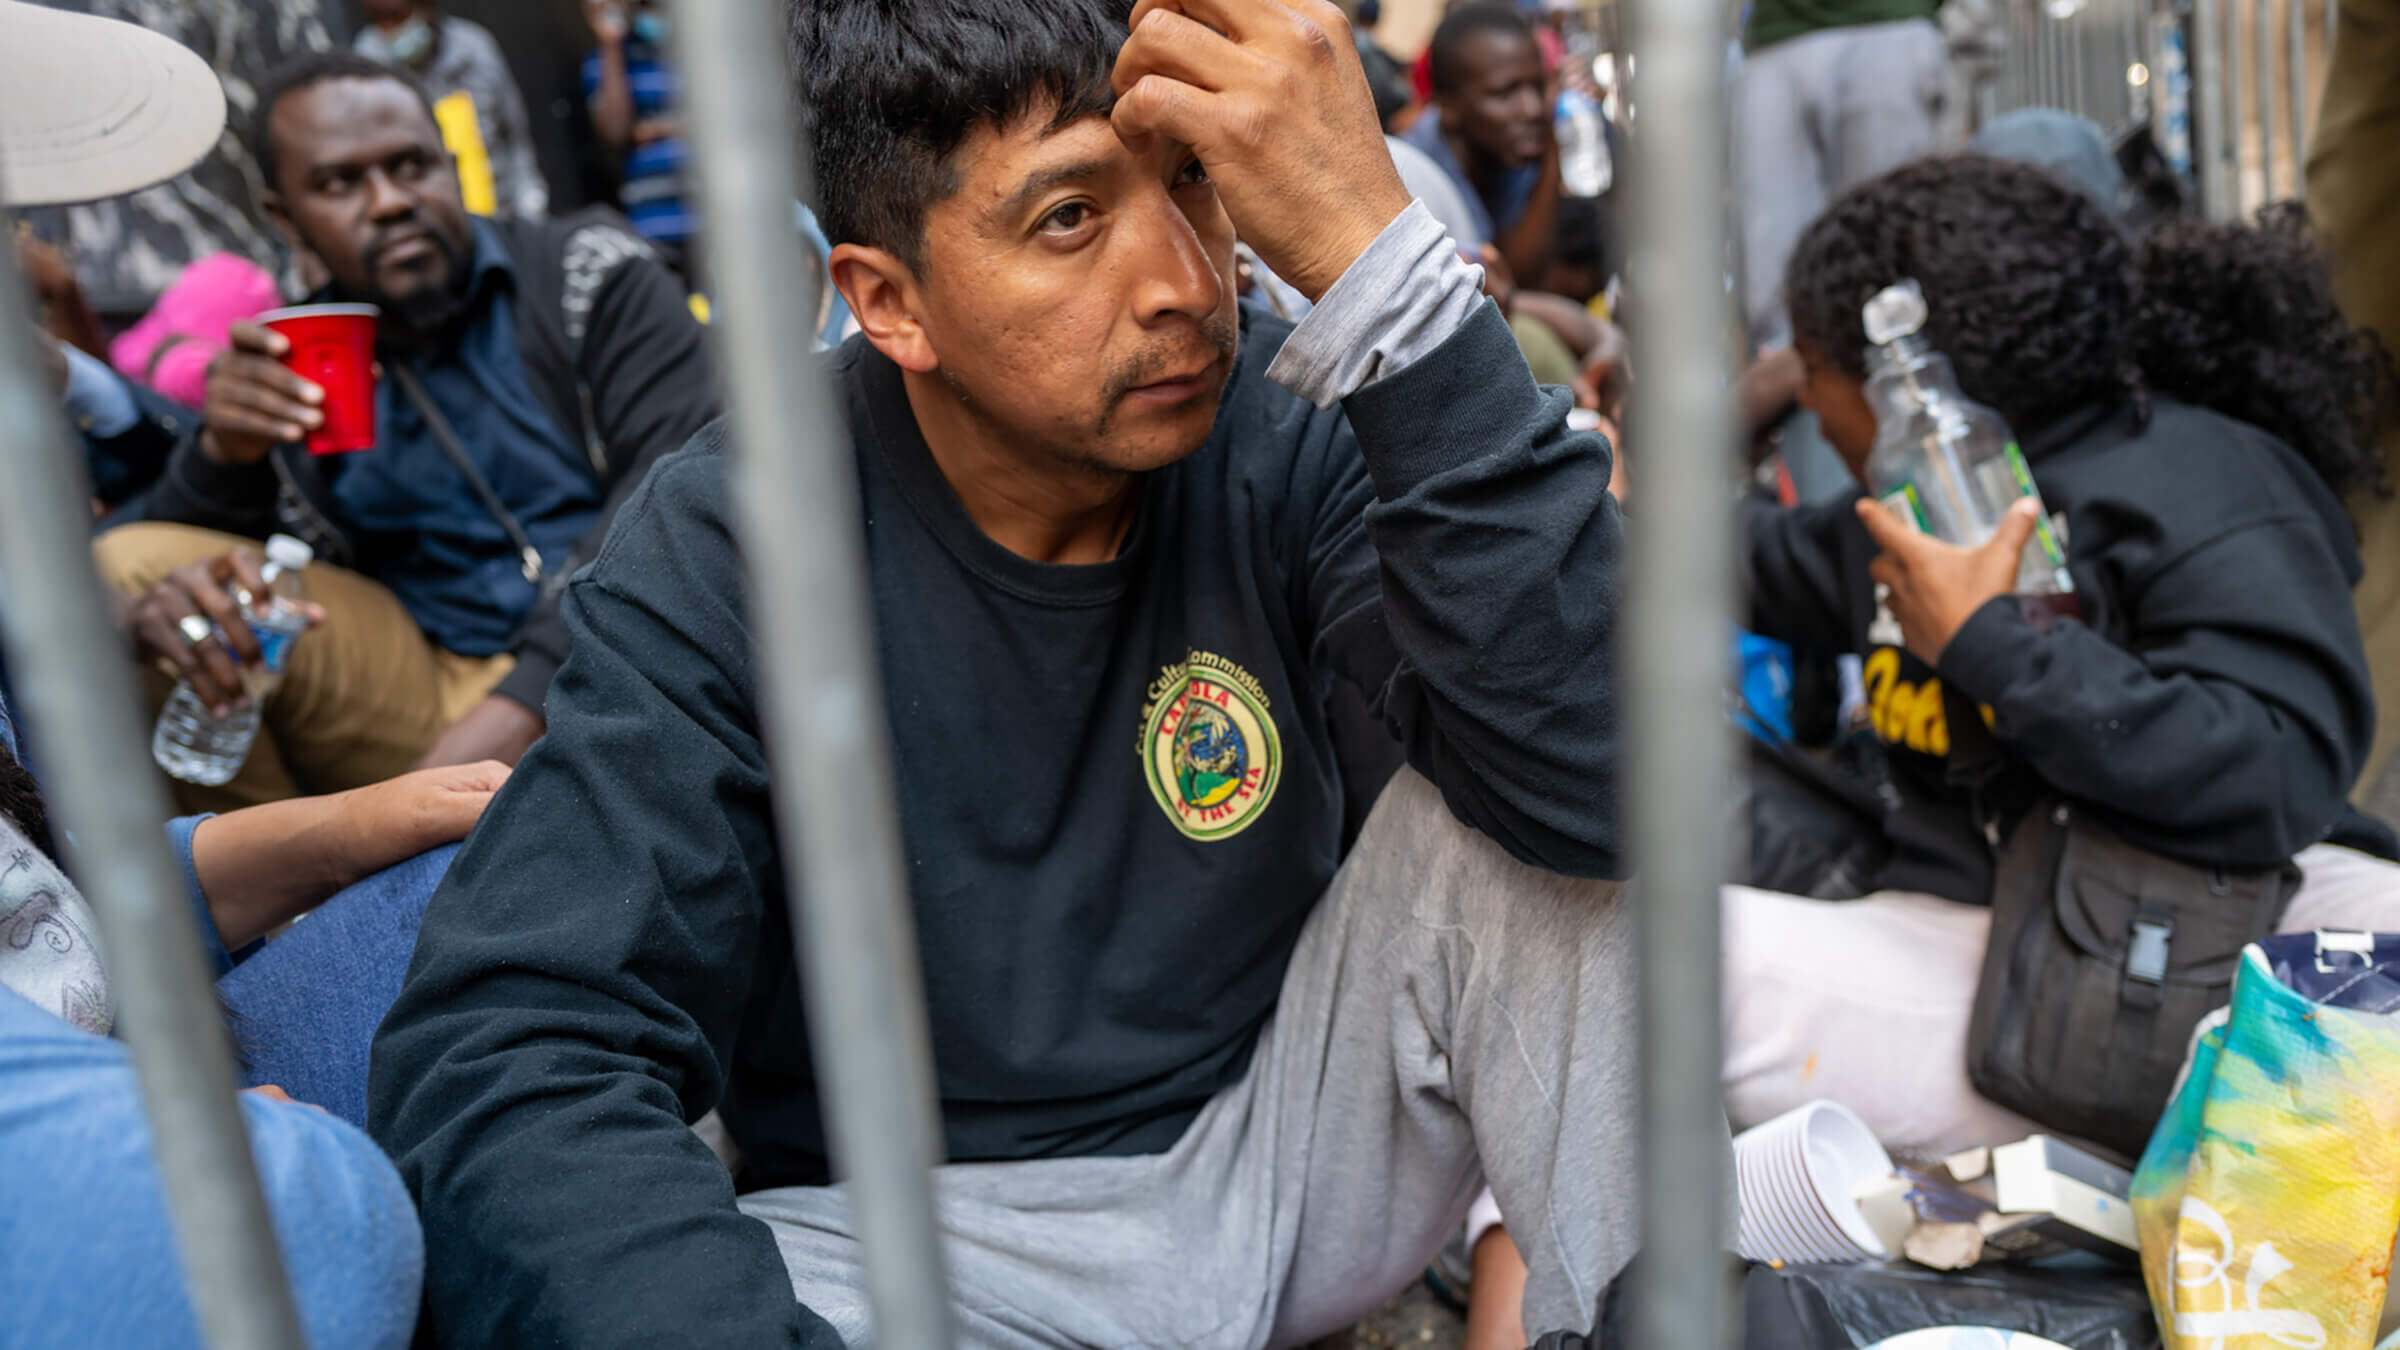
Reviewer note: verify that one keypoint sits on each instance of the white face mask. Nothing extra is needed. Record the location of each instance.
(407, 45)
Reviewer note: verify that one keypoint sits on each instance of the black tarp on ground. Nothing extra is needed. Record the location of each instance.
(1850, 1307)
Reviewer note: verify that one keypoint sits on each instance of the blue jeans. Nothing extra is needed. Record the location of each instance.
(305, 1006)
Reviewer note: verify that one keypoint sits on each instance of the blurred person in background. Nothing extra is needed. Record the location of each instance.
(2353, 202)
(1831, 93)
(630, 89)
(475, 100)
(1488, 128)
(1489, 134)
(531, 372)
(1385, 75)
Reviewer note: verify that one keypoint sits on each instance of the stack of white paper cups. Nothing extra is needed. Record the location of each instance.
(1797, 1177)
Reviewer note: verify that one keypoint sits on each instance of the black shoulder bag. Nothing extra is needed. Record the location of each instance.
(2103, 958)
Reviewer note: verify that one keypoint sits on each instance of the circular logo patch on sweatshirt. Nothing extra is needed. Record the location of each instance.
(1208, 747)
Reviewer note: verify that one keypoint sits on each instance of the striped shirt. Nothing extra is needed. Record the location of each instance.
(653, 192)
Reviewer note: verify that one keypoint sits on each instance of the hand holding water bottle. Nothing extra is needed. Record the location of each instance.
(1933, 587)
(193, 740)
(192, 625)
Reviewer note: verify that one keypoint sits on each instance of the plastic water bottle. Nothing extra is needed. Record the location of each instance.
(197, 746)
(1943, 462)
(1585, 168)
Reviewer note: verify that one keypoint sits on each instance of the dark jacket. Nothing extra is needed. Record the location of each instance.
(124, 466)
(613, 355)
(1119, 794)
(2222, 725)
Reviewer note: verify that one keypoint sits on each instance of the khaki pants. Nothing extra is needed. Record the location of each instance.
(1547, 355)
(364, 696)
(2353, 198)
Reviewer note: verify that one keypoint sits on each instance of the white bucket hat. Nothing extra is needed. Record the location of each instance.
(93, 108)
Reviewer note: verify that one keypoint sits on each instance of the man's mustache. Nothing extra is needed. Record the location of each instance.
(400, 232)
(1220, 330)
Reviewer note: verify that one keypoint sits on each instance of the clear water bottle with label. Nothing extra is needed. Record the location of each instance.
(1585, 168)
(197, 746)
(1945, 463)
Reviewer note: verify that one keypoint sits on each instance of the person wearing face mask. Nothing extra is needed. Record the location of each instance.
(475, 99)
(634, 98)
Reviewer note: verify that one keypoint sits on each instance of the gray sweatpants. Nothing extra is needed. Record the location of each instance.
(1816, 114)
(1449, 1015)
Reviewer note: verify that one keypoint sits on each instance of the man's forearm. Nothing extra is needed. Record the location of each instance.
(612, 102)
(1399, 301)
(263, 866)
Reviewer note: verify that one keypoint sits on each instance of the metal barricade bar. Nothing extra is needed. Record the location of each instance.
(2235, 109)
(2210, 150)
(820, 693)
(2262, 65)
(73, 671)
(1678, 659)
(2296, 74)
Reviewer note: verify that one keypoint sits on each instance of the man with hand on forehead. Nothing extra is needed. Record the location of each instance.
(1204, 1081)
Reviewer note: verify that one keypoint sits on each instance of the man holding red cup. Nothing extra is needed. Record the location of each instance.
(451, 423)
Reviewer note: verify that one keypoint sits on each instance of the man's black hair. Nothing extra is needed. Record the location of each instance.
(893, 87)
(1446, 57)
(2045, 306)
(306, 71)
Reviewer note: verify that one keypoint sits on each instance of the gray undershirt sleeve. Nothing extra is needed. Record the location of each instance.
(1402, 298)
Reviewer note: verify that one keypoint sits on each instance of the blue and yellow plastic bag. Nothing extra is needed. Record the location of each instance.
(2269, 1196)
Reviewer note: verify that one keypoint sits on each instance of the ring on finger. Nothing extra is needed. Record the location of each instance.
(195, 629)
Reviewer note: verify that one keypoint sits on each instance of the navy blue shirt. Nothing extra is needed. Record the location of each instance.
(421, 529)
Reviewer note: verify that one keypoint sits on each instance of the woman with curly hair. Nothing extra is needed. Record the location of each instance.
(2192, 407)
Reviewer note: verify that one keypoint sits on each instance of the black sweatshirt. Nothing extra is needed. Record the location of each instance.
(1119, 800)
(2223, 727)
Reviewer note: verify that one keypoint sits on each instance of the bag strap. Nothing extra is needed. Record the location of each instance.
(529, 558)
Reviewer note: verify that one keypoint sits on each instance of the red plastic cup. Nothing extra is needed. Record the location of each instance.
(334, 346)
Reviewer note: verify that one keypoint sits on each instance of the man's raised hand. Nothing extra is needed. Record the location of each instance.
(1270, 95)
(254, 402)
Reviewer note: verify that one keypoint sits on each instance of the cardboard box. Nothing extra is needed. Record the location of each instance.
(2052, 1198)
(2031, 1200)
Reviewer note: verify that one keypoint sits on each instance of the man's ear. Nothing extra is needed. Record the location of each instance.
(312, 268)
(271, 202)
(884, 297)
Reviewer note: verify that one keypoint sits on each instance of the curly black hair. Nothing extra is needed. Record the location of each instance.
(2045, 306)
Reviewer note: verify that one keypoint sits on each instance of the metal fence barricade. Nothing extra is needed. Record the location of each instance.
(73, 672)
(820, 692)
(1680, 584)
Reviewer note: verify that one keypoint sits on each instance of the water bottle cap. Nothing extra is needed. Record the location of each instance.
(289, 554)
(1896, 311)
